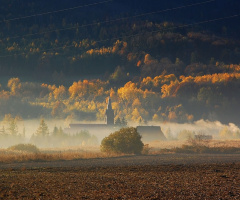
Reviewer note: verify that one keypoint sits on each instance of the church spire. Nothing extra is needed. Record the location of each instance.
(109, 113)
(109, 106)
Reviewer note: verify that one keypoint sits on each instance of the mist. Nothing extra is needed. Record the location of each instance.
(27, 129)
(199, 127)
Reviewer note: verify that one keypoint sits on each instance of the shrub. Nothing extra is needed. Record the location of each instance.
(206, 149)
(30, 148)
(185, 135)
(193, 149)
(227, 134)
(126, 140)
(146, 149)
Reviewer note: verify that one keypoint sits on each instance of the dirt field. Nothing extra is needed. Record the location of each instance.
(135, 177)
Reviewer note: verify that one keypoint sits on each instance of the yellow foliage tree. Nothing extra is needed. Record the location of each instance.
(14, 85)
(59, 93)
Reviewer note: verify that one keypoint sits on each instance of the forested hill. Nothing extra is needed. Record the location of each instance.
(84, 40)
(172, 60)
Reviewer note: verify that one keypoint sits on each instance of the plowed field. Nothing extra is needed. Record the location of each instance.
(136, 177)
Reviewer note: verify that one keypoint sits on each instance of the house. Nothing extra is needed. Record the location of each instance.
(96, 129)
(148, 133)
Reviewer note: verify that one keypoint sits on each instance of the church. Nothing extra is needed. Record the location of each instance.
(148, 133)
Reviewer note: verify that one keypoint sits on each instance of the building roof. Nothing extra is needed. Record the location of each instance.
(87, 125)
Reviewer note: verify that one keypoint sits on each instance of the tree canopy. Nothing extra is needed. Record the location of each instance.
(126, 140)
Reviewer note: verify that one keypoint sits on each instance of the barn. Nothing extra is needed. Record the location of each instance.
(148, 133)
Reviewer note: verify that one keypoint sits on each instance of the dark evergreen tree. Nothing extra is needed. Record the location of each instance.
(42, 129)
(118, 122)
(124, 122)
(13, 129)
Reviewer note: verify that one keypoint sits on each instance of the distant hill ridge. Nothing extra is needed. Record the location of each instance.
(46, 45)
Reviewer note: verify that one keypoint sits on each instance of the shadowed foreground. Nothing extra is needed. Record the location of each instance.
(187, 178)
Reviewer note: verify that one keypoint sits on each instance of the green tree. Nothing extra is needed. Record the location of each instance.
(60, 131)
(126, 140)
(55, 130)
(124, 122)
(42, 129)
(93, 140)
(83, 135)
(13, 129)
(121, 122)
(118, 122)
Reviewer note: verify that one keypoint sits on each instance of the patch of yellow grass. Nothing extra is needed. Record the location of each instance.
(7, 156)
(166, 144)
(209, 143)
(224, 143)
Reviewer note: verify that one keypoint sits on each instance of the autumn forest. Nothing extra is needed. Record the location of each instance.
(156, 67)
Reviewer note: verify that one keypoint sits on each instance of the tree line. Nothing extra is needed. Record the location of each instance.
(166, 97)
(42, 137)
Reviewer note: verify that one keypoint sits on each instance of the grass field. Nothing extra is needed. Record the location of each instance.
(210, 143)
(154, 148)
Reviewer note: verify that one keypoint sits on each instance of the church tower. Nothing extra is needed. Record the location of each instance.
(109, 113)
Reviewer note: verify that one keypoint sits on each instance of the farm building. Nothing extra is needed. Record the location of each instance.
(148, 133)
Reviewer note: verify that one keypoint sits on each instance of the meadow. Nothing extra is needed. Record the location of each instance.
(11, 155)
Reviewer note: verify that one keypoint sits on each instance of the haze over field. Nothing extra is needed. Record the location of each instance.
(162, 63)
(26, 129)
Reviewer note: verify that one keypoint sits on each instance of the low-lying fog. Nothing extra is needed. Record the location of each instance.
(202, 126)
(29, 127)
(199, 127)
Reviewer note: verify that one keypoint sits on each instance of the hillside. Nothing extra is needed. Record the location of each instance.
(173, 61)
(79, 40)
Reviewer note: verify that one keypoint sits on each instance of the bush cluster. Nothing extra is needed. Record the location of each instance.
(206, 149)
(30, 148)
(126, 140)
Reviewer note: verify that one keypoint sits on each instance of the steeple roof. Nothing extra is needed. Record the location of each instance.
(109, 106)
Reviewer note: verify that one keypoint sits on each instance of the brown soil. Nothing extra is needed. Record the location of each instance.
(137, 177)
